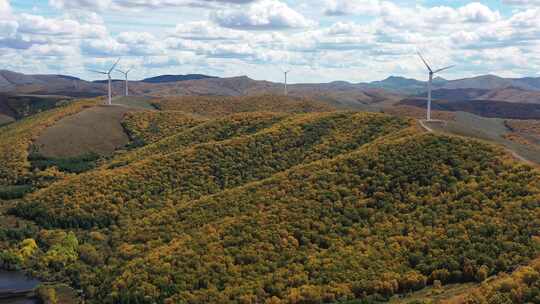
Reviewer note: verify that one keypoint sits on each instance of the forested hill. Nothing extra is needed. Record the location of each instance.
(292, 204)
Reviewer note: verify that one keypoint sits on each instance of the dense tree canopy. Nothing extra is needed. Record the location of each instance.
(261, 207)
(219, 106)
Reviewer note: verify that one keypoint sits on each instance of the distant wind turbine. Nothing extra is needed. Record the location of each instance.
(126, 83)
(286, 74)
(109, 77)
(430, 82)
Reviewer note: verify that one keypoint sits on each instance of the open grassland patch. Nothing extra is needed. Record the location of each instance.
(134, 102)
(489, 129)
(94, 130)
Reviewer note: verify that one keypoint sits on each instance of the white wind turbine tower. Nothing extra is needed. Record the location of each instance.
(286, 73)
(430, 83)
(125, 73)
(109, 78)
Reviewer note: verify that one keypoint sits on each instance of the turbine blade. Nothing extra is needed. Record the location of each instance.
(114, 66)
(446, 68)
(425, 62)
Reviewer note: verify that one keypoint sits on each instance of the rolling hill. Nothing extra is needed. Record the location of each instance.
(265, 199)
(175, 78)
(512, 94)
(490, 93)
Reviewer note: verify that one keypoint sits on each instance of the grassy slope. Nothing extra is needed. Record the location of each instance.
(489, 129)
(17, 137)
(134, 102)
(93, 130)
(523, 141)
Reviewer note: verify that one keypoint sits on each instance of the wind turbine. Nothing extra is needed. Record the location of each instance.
(430, 82)
(126, 83)
(109, 77)
(286, 73)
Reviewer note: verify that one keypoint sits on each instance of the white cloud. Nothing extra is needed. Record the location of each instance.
(204, 30)
(103, 47)
(51, 50)
(472, 12)
(100, 5)
(526, 19)
(477, 12)
(8, 26)
(522, 2)
(243, 50)
(33, 24)
(5, 8)
(262, 15)
(348, 7)
(81, 4)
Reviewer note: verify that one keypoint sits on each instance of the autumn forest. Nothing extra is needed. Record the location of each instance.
(269, 200)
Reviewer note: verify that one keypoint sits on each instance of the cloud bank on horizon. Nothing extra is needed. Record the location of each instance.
(319, 40)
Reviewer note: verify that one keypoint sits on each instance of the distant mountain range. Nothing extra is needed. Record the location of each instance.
(175, 78)
(164, 78)
(484, 82)
(22, 83)
(365, 96)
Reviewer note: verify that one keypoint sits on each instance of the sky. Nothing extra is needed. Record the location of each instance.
(318, 40)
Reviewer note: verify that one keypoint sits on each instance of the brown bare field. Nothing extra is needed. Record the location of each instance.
(97, 129)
